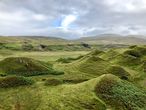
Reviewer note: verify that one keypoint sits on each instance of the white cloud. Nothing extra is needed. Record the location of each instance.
(68, 20)
(126, 6)
(39, 17)
(15, 16)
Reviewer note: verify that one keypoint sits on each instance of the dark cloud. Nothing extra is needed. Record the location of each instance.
(73, 18)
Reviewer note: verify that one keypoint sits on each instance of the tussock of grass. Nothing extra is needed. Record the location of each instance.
(119, 94)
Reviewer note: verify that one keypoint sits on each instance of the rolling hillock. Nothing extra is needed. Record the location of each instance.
(89, 64)
(25, 67)
(126, 60)
(104, 92)
(120, 94)
(119, 71)
(109, 55)
(96, 52)
(97, 63)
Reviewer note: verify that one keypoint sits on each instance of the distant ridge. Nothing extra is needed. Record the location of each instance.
(32, 39)
(114, 39)
(99, 39)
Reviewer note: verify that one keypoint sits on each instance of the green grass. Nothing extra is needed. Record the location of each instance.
(120, 95)
(119, 71)
(95, 81)
(14, 81)
(42, 56)
(62, 97)
(25, 67)
(101, 93)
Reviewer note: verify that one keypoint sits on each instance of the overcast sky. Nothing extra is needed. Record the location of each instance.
(72, 18)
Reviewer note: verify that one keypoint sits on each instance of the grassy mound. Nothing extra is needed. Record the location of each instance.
(133, 52)
(95, 52)
(79, 96)
(119, 94)
(25, 67)
(89, 65)
(53, 82)
(14, 81)
(141, 50)
(118, 71)
(127, 60)
(109, 54)
(143, 66)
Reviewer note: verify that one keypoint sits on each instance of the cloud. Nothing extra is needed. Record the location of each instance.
(124, 6)
(72, 18)
(68, 20)
(39, 17)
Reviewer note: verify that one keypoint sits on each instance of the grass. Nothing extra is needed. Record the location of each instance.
(63, 97)
(117, 94)
(25, 66)
(119, 71)
(14, 81)
(120, 95)
(87, 65)
(42, 56)
(95, 81)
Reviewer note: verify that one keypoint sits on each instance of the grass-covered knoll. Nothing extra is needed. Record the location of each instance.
(61, 97)
(95, 52)
(72, 97)
(109, 55)
(120, 94)
(126, 60)
(129, 63)
(98, 62)
(119, 71)
(140, 49)
(25, 67)
(89, 65)
(14, 81)
(133, 52)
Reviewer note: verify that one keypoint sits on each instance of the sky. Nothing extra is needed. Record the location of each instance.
(72, 18)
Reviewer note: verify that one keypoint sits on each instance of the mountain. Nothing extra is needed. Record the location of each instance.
(99, 39)
(32, 40)
(114, 39)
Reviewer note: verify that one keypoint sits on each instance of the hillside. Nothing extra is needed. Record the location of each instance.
(32, 40)
(25, 67)
(113, 39)
(129, 64)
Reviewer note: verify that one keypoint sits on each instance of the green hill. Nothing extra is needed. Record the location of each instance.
(114, 39)
(25, 67)
(119, 94)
